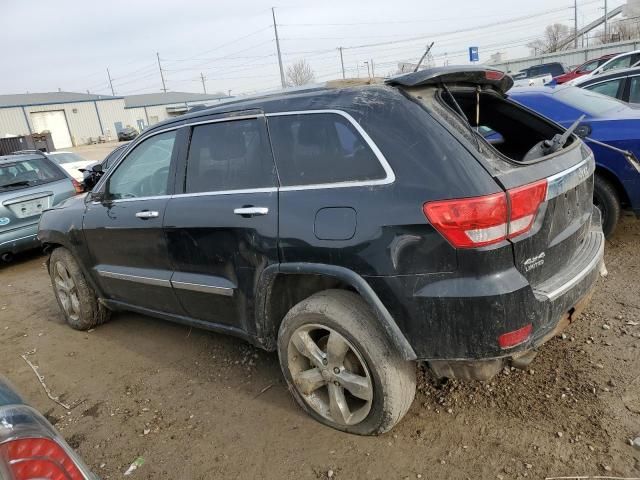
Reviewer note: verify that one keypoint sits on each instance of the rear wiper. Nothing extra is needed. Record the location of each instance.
(558, 141)
(22, 183)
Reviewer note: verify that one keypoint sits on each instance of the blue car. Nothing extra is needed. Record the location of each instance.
(617, 182)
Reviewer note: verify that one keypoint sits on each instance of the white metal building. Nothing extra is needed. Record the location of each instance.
(77, 118)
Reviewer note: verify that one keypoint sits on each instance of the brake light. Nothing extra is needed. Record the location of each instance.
(493, 75)
(30, 448)
(479, 221)
(470, 222)
(77, 186)
(525, 202)
(41, 458)
(516, 337)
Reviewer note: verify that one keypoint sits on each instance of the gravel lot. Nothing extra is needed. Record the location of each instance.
(196, 405)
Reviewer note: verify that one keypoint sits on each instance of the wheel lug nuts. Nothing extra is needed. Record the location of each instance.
(336, 383)
(336, 370)
(324, 361)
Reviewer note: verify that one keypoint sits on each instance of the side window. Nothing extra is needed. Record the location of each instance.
(610, 88)
(321, 148)
(230, 155)
(145, 171)
(634, 90)
(589, 67)
(622, 62)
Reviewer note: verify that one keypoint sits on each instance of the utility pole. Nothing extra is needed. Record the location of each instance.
(275, 30)
(575, 24)
(368, 71)
(204, 86)
(373, 73)
(164, 86)
(606, 29)
(342, 62)
(110, 82)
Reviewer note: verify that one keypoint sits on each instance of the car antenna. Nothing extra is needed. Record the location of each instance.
(461, 113)
(424, 55)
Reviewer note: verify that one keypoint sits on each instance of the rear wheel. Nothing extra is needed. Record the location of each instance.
(77, 300)
(340, 368)
(605, 197)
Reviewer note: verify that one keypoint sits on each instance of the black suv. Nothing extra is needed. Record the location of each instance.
(354, 228)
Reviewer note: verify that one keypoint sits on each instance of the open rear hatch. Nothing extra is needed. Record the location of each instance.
(548, 187)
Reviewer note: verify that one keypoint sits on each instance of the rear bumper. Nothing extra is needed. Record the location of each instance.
(454, 324)
(19, 239)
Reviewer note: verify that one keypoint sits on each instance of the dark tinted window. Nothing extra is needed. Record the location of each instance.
(27, 173)
(634, 90)
(321, 148)
(610, 88)
(231, 155)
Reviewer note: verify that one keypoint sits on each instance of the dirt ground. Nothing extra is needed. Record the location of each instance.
(196, 405)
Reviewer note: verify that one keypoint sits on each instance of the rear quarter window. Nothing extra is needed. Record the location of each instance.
(321, 148)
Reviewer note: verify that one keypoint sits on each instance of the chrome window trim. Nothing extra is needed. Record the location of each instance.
(199, 287)
(570, 178)
(390, 176)
(158, 282)
(618, 79)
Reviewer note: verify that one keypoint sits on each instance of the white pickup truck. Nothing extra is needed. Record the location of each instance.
(521, 80)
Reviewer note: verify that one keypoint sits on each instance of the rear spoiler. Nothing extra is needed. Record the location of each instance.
(471, 75)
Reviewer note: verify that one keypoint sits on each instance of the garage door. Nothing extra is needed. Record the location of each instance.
(56, 122)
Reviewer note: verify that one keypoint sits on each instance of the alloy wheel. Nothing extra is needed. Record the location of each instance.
(330, 374)
(66, 291)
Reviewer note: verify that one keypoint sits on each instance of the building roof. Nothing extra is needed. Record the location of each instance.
(168, 98)
(47, 98)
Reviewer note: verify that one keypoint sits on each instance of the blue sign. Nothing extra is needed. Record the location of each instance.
(474, 56)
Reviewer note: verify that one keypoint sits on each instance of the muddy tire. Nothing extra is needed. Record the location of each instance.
(605, 197)
(340, 367)
(76, 299)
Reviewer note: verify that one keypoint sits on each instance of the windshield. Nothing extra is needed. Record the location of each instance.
(62, 158)
(27, 173)
(592, 103)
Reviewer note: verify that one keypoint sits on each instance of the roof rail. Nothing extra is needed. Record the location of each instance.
(24, 152)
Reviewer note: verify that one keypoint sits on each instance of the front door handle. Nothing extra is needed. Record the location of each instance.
(251, 211)
(146, 214)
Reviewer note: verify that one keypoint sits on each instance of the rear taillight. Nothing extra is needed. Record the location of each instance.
(525, 202)
(77, 185)
(30, 458)
(478, 221)
(30, 448)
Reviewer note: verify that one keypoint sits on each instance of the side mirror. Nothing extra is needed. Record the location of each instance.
(92, 176)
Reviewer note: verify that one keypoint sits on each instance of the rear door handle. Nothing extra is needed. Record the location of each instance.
(251, 211)
(145, 214)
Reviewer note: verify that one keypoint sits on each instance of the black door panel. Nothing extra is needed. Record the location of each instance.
(211, 245)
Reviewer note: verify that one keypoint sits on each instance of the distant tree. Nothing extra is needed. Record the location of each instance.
(624, 29)
(300, 73)
(552, 39)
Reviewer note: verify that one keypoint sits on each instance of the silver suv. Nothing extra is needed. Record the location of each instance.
(29, 184)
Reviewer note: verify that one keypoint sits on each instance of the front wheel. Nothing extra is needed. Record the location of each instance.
(605, 197)
(340, 368)
(76, 298)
